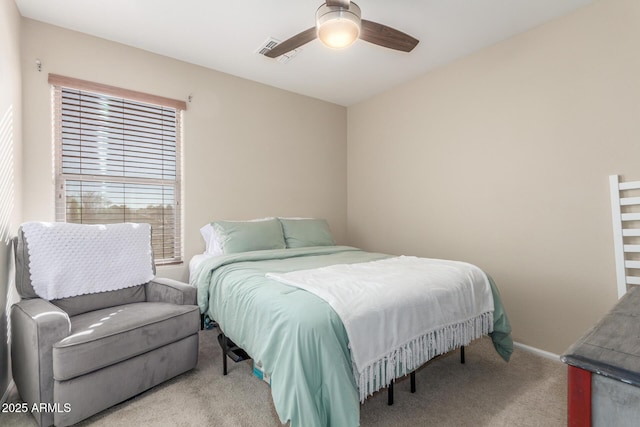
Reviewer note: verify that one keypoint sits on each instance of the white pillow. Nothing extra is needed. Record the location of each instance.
(211, 243)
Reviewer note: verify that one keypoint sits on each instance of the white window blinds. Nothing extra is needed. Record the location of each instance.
(118, 160)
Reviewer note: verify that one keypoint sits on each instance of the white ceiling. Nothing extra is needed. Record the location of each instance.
(226, 35)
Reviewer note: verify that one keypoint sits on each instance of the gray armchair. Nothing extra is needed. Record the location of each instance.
(82, 354)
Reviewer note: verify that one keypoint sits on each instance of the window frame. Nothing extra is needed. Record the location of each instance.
(57, 83)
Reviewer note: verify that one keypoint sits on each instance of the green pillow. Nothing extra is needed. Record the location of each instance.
(244, 236)
(300, 233)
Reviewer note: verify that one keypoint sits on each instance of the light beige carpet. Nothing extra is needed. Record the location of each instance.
(485, 391)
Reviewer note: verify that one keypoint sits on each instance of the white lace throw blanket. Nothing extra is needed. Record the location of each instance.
(67, 260)
(401, 312)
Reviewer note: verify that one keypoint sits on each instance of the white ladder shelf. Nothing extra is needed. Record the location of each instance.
(625, 213)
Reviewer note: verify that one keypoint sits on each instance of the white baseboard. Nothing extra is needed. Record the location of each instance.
(537, 351)
(5, 396)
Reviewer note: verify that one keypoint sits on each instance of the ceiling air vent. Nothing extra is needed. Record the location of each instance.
(270, 43)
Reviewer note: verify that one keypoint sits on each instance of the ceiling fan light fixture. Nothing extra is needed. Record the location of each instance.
(338, 27)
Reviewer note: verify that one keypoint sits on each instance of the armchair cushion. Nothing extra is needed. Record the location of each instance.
(89, 302)
(104, 337)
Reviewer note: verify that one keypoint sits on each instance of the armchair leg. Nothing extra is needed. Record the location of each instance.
(462, 354)
(413, 382)
(390, 394)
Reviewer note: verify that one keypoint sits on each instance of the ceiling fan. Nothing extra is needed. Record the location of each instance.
(338, 25)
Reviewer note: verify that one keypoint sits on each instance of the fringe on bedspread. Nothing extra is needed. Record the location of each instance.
(413, 354)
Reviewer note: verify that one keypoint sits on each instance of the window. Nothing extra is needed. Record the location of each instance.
(118, 160)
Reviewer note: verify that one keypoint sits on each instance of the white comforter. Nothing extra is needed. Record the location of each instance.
(400, 312)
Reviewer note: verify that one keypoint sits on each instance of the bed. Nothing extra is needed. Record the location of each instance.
(251, 287)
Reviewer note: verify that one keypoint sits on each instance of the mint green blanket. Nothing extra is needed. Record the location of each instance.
(296, 336)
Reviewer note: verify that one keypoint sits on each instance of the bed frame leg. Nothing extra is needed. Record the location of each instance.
(413, 381)
(224, 354)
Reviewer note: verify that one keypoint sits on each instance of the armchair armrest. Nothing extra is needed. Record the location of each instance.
(171, 291)
(36, 325)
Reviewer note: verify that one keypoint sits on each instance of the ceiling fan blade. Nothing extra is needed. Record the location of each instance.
(339, 3)
(382, 35)
(292, 43)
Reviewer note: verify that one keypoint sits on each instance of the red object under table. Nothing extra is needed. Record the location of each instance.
(610, 349)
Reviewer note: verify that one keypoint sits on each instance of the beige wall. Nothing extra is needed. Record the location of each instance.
(10, 158)
(249, 150)
(502, 159)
